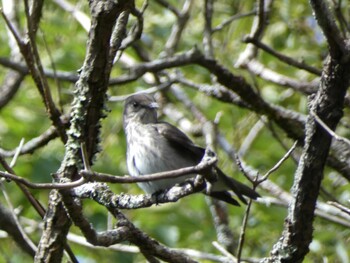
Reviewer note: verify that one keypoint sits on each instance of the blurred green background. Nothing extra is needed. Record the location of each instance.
(187, 223)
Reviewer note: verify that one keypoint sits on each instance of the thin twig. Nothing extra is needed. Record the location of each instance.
(34, 202)
(88, 175)
(283, 58)
(178, 28)
(197, 169)
(18, 151)
(278, 164)
(241, 168)
(150, 90)
(262, 13)
(32, 144)
(260, 70)
(224, 251)
(78, 15)
(329, 130)
(170, 7)
(81, 240)
(20, 180)
(208, 30)
(243, 229)
(341, 207)
(15, 218)
(136, 30)
(252, 135)
(31, 54)
(231, 19)
(85, 157)
(54, 70)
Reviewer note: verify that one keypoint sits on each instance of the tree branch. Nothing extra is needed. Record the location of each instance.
(88, 110)
(282, 57)
(328, 106)
(336, 43)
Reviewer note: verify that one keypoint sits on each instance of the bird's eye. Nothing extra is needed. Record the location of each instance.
(135, 105)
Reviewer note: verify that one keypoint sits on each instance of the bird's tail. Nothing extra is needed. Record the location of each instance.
(238, 188)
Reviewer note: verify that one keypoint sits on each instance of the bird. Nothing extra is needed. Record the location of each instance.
(157, 146)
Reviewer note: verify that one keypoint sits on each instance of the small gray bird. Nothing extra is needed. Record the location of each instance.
(154, 146)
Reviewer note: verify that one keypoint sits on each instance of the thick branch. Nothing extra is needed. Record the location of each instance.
(328, 106)
(88, 110)
(8, 224)
(104, 196)
(325, 19)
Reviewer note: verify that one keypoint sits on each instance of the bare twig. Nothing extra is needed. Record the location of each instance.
(206, 162)
(278, 164)
(34, 202)
(104, 196)
(215, 91)
(284, 58)
(343, 24)
(118, 36)
(20, 180)
(178, 27)
(18, 151)
(252, 135)
(337, 44)
(136, 30)
(149, 247)
(26, 239)
(9, 225)
(282, 197)
(13, 79)
(85, 157)
(242, 168)
(329, 130)
(31, 56)
(258, 69)
(224, 252)
(243, 231)
(150, 90)
(169, 6)
(256, 32)
(208, 31)
(262, 15)
(124, 231)
(341, 207)
(54, 70)
(218, 209)
(81, 240)
(33, 144)
(231, 19)
(81, 17)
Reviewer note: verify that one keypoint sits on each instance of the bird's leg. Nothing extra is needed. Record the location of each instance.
(155, 195)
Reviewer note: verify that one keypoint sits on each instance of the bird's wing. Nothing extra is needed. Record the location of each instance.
(186, 148)
(179, 141)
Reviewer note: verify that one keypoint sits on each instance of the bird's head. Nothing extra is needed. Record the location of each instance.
(140, 108)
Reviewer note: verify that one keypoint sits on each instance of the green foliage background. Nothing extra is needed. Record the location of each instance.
(187, 223)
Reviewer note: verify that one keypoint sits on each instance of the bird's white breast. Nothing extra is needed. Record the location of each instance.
(149, 152)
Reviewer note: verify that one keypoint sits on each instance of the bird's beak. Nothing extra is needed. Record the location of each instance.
(153, 105)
